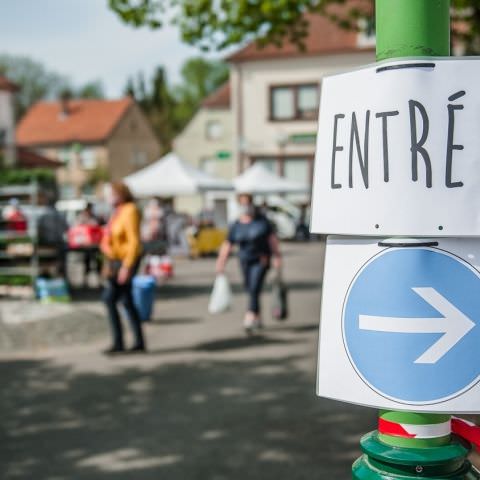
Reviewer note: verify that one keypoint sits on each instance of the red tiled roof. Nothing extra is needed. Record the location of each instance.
(87, 121)
(220, 98)
(324, 38)
(6, 84)
(29, 159)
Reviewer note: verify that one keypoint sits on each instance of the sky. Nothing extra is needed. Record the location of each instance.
(84, 41)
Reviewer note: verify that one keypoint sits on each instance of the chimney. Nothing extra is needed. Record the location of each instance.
(65, 98)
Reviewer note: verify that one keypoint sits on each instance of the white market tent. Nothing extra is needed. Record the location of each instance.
(257, 180)
(171, 176)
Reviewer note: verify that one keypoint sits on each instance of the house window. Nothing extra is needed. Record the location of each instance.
(139, 158)
(88, 189)
(270, 164)
(298, 169)
(88, 158)
(208, 165)
(67, 191)
(65, 155)
(214, 130)
(294, 102)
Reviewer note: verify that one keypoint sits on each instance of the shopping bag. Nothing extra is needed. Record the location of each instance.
(143, 292)
(221, 297)
(279, 299)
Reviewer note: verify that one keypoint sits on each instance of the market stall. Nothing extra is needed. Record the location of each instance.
(173, 177)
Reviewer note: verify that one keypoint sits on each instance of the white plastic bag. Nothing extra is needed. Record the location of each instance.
(221, 297)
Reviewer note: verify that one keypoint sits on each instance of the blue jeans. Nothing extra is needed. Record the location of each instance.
(112, 294)
(254, 276)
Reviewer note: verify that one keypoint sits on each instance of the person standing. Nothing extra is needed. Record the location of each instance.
(52, 228)
(257, 244)
(122, 248)
(16, 220)
(88, 218)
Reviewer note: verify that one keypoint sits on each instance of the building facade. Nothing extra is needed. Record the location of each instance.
(207, 142)
(276, 93)
(94, 140)
(7, 121)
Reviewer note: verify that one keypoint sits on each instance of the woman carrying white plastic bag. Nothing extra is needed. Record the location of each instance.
(258, 247)
(221, 297)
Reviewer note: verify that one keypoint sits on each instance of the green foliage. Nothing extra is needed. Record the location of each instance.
(157, 103)
(467, 12)
(37, 83)
(91, 90)
(200, 78)
(169, 108)
(98, 175)
(218, 24)
(34, 80)
(15, 280)
(22, 176)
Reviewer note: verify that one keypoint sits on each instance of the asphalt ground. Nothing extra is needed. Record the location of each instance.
(205, 403)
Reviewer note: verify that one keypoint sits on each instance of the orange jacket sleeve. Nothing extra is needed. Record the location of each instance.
(132, 232)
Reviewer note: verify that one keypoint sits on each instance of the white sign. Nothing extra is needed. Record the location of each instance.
(400, 326)
(398, 150)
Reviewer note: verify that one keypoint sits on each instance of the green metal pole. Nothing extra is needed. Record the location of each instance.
(412, 28)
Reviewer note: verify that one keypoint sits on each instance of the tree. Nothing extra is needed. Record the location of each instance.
(157, 103)
(34, 80)
(37, 83)
(200, 78)
(92, 89)
(169, 108)
(214, 24)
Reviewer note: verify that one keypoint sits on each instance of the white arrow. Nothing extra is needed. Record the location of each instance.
(454, 325)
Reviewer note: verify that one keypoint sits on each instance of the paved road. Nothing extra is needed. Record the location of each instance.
(205, 404)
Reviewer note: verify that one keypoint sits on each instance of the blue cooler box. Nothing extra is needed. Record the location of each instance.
(144, 295)
(52, 290)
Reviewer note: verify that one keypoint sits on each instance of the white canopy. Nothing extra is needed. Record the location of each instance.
(171, 176)
(258, 180)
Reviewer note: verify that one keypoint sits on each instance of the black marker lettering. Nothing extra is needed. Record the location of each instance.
(384, 116)
(450, 145)
(362, 158)
(335, 149)
(417, 145)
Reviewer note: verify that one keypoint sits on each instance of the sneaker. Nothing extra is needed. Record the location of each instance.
(113, 351)
(248, 324)
(258, 323)
(137, 349)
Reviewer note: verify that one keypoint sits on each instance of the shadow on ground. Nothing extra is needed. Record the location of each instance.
(208, 420)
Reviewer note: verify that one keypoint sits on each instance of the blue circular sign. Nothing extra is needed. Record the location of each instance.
(410, 325)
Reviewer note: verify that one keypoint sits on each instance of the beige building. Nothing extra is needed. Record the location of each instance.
(7, 120)
(276, 91)
(207, 143)
(95, 141)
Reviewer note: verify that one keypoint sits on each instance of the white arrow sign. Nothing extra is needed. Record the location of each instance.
(454, 325)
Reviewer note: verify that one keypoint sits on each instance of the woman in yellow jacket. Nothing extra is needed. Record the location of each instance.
(122, 248)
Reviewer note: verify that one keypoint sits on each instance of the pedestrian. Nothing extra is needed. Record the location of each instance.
(15, 218)
(52, 228)
(257, 244)
(87, 217)
(153, 228)
(122, 248)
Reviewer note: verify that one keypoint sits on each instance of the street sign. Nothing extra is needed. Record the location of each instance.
(400, 326)
(398, 150)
